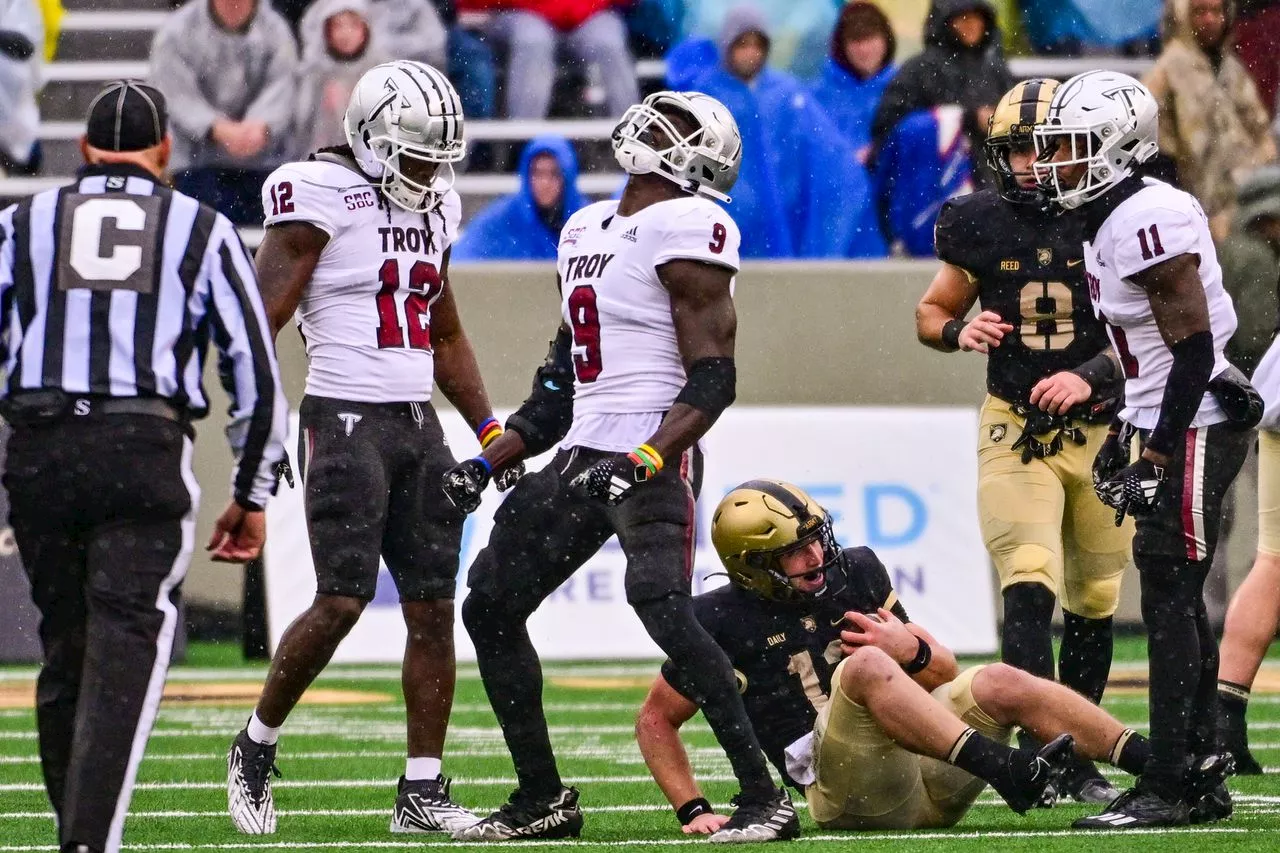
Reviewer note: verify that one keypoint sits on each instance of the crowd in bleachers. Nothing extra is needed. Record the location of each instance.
(850, 146)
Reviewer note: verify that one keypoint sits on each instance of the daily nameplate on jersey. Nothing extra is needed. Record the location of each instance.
(1151, 226)
(626, 360)
(366, 313)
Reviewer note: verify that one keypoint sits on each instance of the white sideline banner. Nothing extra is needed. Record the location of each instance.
(901, 480)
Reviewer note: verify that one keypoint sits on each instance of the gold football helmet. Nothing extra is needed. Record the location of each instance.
(761, 520)
(1016, 115)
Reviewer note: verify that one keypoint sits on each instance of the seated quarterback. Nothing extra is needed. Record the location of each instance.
(856, 706)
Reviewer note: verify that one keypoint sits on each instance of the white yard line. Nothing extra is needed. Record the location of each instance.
(845, 838)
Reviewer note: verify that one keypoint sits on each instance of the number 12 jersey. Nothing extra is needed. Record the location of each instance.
(626, 361)
(365, 316)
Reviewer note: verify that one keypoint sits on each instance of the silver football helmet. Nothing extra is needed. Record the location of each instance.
(399, 112)
(1110, 122)
(704, 161)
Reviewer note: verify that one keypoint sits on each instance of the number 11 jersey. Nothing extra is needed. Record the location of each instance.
(1146, 223)
(626, 361)
(365, 315)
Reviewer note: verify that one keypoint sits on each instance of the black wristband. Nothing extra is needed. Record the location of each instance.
(923, 655)
(248, 505)
(692, 809)
(951, 333)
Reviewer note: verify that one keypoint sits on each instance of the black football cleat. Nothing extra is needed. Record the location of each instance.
(424, 805)
(1137, 808)
(1208, 799)
(1083, 783)
(249, 801)
(526, 817)
(755, 821)
(1236, 742)
(1030, 773)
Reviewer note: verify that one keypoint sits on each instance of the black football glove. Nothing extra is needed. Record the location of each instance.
(1043, 435)
(1112, 456)
(509, 476)
(464, 484)
(1133, 490)
(611, 480)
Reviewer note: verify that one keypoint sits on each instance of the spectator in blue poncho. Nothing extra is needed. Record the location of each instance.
(526, 226)
(856, 72)
(801, 191)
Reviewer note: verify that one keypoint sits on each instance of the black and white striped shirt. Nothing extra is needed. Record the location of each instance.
(113, 286)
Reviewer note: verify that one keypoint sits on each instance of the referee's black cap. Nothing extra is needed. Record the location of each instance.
(127, 116)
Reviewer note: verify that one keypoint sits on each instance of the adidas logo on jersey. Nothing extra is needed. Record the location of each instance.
(630, 233)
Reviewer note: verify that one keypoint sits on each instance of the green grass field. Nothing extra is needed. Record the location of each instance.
(340, 763)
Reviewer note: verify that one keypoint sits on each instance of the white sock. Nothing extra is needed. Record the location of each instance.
(260, 732)
(417, 769)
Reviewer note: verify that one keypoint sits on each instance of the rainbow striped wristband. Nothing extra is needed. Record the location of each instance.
(488, 431)
(649, 458)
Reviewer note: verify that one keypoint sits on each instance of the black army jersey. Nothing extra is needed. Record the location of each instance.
(783, 652)
(1029, 268)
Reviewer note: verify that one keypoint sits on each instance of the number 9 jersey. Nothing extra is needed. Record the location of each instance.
(627, 365)
(365, 315)
(1028, 267)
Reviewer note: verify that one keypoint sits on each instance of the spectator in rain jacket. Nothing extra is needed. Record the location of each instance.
(857, 71)
(526, 226)
(961, 64)
(1212, 123)
(801, 191)
(339, 44)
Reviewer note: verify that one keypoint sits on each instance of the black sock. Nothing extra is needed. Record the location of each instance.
(1084, 661)
(671, 623)
(1026, 639)
(1171, 592)
(1233, 704)
(979, 755)
(512, 677)
(1130, 752)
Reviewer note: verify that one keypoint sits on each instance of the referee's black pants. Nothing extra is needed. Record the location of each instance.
(103, 511)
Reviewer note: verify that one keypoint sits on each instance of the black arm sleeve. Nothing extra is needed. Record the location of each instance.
(15, 45)
(1103, 375)
(1188, 380)
(545, 417)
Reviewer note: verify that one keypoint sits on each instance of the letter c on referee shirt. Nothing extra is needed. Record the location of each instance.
(90, 237)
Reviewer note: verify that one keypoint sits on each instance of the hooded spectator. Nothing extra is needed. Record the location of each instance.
(526, 226)
(799, 30)
(1250, 259)
(1213, 126)
(857, 71)
(801, 191)
(227, 69)
(412, 30)
(339, 44)
(961, 64)
(21, 44)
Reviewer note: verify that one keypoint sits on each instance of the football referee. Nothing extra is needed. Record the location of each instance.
(110, 290)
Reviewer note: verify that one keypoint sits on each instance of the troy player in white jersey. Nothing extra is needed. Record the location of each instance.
(1154, 279)
(641, 367)
(357, 246)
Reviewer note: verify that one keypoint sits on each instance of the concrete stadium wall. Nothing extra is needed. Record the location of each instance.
(809, 333)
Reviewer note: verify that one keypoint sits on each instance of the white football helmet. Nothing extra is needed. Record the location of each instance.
(405, 108)
(705, 161)
(1110, 121)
